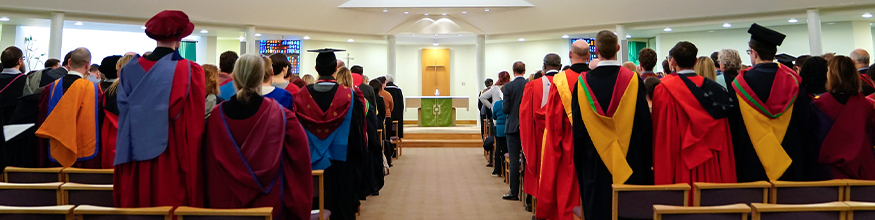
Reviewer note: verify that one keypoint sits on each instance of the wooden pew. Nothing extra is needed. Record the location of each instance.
(191, 213)
(30, 194)
(88, 176)
(636, 201)
(860, 191)
(715, 194)
(810, 192)
(820, 211)
(32, 175)
(61, 212)
(726, 212)
(319, 192)
(89, 212)
(86, 194)
(861, 210)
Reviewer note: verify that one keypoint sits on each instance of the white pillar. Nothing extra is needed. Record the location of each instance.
(480, 60)
(251, 41)
(212, 43)
(390, 56)
(814, 33)
(56, 34)
(623, 54)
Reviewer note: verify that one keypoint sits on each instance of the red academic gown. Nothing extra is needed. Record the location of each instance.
(261, 161)
(689, 144)
(847, 134)
(174, 178)
(293, 89)
(532, 129)
(108, 135)
(558, 182)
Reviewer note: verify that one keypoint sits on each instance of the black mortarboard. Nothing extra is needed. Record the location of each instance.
(765, 36)
(785, 59)
(326, 59)
(107, 66)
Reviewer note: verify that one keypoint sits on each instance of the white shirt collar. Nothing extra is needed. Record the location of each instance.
(686, 72)
(609, 63)
(267, 89)
(75, 73)
(11, 71)
(552, 71)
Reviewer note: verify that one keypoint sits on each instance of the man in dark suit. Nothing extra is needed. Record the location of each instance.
(398, 99)
(513, 95)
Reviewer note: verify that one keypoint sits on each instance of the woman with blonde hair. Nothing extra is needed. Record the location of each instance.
(109, 128)
(257, 149)
(343, 76)
(705, 68)
(309, 79)
(268, 90)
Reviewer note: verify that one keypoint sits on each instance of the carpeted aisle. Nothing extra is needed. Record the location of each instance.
(442, 183)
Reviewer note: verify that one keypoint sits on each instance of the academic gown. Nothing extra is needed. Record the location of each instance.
(868, 86)
(691, 132)
(71, 123)
(790, 150)
(558, 188)
(398, 111)
(338, 151)
(11, 87)
(108, 129)
(375, 150)
(227, 89)
(617, 96)
(847, 128)
(159, 163)
(532, 133)
(257, 156)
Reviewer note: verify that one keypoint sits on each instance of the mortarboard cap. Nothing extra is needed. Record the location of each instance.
(107, 66)
(785, 59)
(765, 35)
(326, 59)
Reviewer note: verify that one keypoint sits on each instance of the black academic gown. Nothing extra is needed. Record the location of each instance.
(868, 85)
(594, 178)
(375, 151)
(8, 103)
(800, 141)
(398, 111)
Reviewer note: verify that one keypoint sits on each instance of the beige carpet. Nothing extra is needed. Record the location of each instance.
(439, 184)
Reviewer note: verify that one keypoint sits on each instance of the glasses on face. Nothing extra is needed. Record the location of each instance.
(749, 51)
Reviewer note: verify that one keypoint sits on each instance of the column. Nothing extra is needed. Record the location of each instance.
(623, 54)
(814, 33)
(862, 36)
(212, 43)
(480, 61)
(390, 56)
(251, 41)
(56, 34)
(8, 36)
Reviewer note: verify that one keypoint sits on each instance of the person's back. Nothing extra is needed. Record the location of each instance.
(500, 118)
(279, 95)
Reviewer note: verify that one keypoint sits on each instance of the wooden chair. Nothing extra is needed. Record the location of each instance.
(89, 212)
(85, 194)
(715, 194)
(820, 211)
(191, 213)
(397, 140)
(61, 212)
(32, 175)
(860, 191)
(725, 212)
(88, 176)
(507, 168)
(785, 192)
(636, 201)
(30, 194)
(861, 210)
(319, 193)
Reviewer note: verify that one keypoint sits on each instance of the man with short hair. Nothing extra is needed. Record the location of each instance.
(358, 79)
(691, 130)
(52, 63)
(611, 126)
(861, 61)
(93, 73)
(281, 65)
(398, 100)
(771, 132)
(646, 63)
(485, 113)
(226, 65)
(513, 94)
(12, 81)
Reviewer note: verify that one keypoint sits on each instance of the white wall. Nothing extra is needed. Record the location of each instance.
(501, 56)
(372, 57)
(100, 43)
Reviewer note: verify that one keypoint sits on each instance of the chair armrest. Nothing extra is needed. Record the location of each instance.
(669, 187)
(831, 206)
(734, 208)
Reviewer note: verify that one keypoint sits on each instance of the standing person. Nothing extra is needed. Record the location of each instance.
(226, 65)
(773, 111)
(512, 96)
(558, 186)
(108, 71)
(281, 67)
(254, 147)
(309, 79)
(813, 73)
(715, 57)
(488, 99)
(381, 118)
(93, 74)
(12, 81)
(646, 63)
(610, 130)
(485, 114)
(704, 67)
(364, 170)
(532, 125)
(848, 123)
(500, 137)
(730, 64)
(211, 83)
(861, 63)
(691, 131)
(333, 117)
(361, 81)
(109, 128)
(398, 102)
(159, 160)
(494, 93)
(279, 95)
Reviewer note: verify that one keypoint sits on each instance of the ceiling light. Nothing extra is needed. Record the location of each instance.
(426, 14)
(831, 23)
(628, 36)
(257, 35)
(384, 10)
(522, 39)
(727, 25)
(460, 35)
(435, 44)
(444, 14)
(241, 39)
(413, 35)
(143, 27)
(867, 15)
(486, 10)
(4, 19)
(306, 37)
(204, 31)
(435, 36)
(710, 31)
(792, 20)
(350, 40)
(667, 29)
(406, 12)
(464, 12)
(78, 23)
(565, 36)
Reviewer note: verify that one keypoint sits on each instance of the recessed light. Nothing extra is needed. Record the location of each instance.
(143, 27)
(435, 44)
(710, 31)
(464, 12)
(565, 36)
(521, 39)
(406, 12)
(413, 35)
(306, 37)
(628, 36)
(350, 40)
(831, 23)
(384, 10)
(4, 19)
(486, 10)
(78, 23)
(444, 14)
(435, 36)
(867, 15)
(257, 35)
(426, 14)
(792, 20)
(460, 35)
(667, 29)
(241, 39)
(204, 31)
(727, 25)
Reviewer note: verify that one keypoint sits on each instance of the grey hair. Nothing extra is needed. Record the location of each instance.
(729, 60)
(860, 58)
(390, 78)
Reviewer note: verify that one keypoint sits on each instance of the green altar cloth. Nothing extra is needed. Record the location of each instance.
(436, 112)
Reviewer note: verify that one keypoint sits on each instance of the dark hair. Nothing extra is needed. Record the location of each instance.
(647, 59)
(278, 62)
(842, 76)
(766, 51)
(665, 67)
(606, 44)
(357, 69)
(81, 57)
(801, 60)
(376, 84)
(382, 79)
(813, 73)
(52, 62)
(488, 82)
(227, 60)
(650, 84)
(503, 78)
(94, 67)
(11, 56)
(714, 57)
(66, 60)
(519, 67)
(538, 74)
(684, 54)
